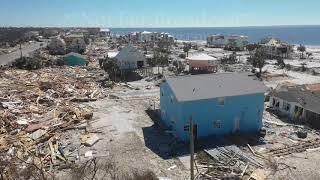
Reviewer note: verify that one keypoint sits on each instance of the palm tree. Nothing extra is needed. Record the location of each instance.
(301, 49)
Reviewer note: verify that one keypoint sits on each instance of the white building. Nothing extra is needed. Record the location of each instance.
(130, 58)
(236, 42)
(57, 46)
(233, 42)
(146, 36)
(105, 32)
(217, 40)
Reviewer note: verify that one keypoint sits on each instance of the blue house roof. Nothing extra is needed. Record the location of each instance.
(209, 86)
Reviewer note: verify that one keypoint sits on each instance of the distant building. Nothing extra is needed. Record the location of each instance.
(233, 42)
(75, 43)
(57, 46)
(130, 58)
(75, 59)
(47, 33)
(218, 104)
(146, 36)
(31, 35)
(299, 103)
(105, 32)
(217, 41)
(275, 48)
(150, 37)
(202, 63)
(237, 43)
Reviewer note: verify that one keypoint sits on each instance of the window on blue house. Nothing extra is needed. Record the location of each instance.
(217, 124)
(221, 101)
(186, 128)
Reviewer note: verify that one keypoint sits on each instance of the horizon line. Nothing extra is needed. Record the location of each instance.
(157, 27)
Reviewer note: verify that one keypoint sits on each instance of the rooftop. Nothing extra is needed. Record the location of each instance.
(209, 86)
(300, 94)
(201, 57)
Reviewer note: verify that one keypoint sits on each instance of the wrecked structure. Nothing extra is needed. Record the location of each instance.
(274, 48)
(75, 43)
(218, 104)
(57, 46)
(130, 58)
(299, 103)
(233, 42)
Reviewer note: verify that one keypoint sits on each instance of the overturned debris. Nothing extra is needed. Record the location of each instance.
(36, 107)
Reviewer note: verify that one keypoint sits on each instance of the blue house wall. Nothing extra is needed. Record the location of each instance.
(239, 114)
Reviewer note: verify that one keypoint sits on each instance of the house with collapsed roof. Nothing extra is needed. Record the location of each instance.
(57, 46)
(130, 58)
(75, 43)
(298, 102)
(274, 47)
(218, 104)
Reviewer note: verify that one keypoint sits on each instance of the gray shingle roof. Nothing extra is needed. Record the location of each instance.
(209, 86)
(300, 95)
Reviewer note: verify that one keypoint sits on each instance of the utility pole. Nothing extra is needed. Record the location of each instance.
(20, 48)
(191, 149)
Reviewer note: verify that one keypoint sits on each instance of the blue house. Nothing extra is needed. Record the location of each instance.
(218, 104)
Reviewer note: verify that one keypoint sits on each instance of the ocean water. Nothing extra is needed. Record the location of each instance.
(307, 35)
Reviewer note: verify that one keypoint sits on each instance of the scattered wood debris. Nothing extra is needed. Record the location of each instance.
(36, 107)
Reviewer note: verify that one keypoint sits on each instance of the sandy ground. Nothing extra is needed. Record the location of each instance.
(8, 58)
(126, 129)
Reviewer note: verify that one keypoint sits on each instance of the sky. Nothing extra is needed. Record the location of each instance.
(158, 13)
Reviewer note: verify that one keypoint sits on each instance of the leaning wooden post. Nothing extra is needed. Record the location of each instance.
(191, 149)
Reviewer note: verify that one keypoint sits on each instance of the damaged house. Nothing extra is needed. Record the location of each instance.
(276, 48)
(300, 103)
(130, 58)
(219, 104)
(75, 43)
(57, 46)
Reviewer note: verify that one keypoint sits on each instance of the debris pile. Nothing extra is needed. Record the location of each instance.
(224, 162)
(295, 148)
(36, 107)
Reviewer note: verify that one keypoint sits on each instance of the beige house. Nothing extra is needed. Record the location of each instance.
(202, 63)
